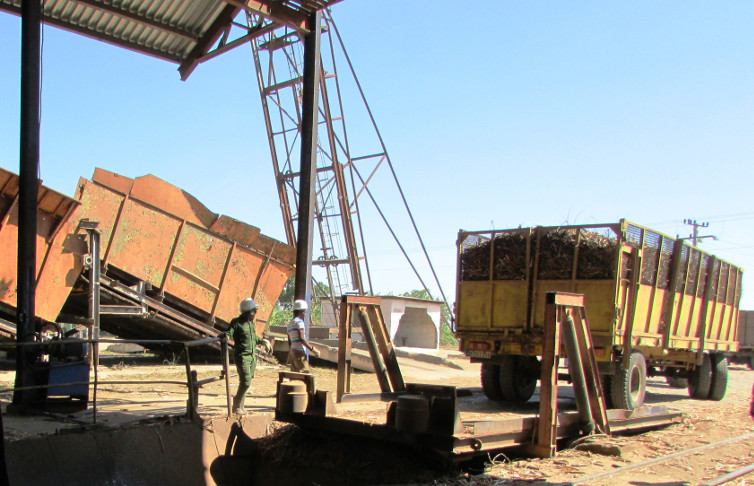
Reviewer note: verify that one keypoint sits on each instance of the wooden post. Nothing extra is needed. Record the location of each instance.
(378, 340)
(547, 424)
(591, 370)
(385, 347)
(344, 351)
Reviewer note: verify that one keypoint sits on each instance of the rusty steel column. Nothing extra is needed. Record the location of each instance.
(307, 181)
(31, 18)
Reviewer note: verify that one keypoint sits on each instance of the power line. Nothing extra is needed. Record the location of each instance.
(695, 235)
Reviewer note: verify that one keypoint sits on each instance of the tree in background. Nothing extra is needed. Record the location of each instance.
(282, 313)
(447, 337)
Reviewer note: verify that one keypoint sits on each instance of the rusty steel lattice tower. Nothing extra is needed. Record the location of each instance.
(343, 175)
(278, 57)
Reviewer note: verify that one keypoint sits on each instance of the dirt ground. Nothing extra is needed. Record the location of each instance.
(704, 422)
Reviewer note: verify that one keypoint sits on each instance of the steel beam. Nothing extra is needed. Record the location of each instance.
(309, 118)
(31, 21)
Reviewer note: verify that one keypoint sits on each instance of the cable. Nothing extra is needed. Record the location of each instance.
(390, 165)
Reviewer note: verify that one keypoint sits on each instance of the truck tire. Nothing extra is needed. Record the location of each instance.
(701, 379)
(630, 386)
(677, 382)
(517, 383)
(750, 363)
(607, 386)
(719, 384)
(491, 381)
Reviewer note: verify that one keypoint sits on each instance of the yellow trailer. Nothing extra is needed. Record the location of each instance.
(656, 306)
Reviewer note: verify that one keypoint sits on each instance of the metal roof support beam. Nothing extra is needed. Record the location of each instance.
(209, 39)
(223, 48)
(307, 181)
(31, 22)
(275, 12)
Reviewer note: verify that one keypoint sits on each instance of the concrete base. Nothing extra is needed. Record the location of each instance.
(167, 451)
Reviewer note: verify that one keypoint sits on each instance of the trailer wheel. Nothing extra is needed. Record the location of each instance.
(677, 382)
(719, 384)
(491, 381)
(701, 379)
(607, 386)
(517, 380)
(630, 386)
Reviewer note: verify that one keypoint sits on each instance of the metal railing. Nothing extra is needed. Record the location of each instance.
(192, 382)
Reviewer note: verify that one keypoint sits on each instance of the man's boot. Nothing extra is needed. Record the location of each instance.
(238, 405)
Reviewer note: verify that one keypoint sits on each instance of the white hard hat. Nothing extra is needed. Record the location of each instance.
(300, 305)
(248, 305)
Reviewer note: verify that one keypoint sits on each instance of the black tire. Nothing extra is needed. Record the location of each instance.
(701, 379)
(750, 363)
(629, 386)
(517, 382)
(677, 382)
(719, 384)
(607, 386)
(491, 381)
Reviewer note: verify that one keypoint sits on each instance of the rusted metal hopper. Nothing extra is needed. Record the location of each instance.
(163, 252)
(54, 225)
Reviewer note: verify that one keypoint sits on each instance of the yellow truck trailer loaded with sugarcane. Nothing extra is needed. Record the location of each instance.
(669, 307)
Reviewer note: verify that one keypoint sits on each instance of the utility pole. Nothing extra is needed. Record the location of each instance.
(695, 235)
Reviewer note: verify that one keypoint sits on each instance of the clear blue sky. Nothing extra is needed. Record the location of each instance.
(495, 113)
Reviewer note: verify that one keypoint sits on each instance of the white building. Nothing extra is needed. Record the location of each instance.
(411, 322)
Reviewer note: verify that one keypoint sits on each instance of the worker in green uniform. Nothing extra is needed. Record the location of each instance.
(245, 339)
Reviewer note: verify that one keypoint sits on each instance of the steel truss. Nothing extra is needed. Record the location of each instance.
(343, 175)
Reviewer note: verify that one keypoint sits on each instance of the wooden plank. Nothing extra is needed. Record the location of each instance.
(379, 366)
(344, 352)
(360, 299)
(591, 370)
(386, 348)
(547, 424)
(565, 298)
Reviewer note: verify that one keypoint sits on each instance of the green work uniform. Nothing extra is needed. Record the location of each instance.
(244, 335)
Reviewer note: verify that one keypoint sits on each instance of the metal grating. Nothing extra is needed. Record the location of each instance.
(693, 271)
(680, 284)
(663, 275)
(634, 235)
(651, 257)
(475, 258)
(703, 276)
(724, 276)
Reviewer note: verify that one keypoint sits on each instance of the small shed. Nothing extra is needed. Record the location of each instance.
(411, 322)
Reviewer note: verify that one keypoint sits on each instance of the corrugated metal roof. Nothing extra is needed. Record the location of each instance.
(180, 31)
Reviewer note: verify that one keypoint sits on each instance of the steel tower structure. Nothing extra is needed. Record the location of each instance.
(278, 57)
(343, 175)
